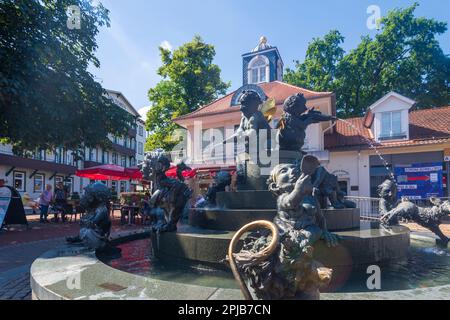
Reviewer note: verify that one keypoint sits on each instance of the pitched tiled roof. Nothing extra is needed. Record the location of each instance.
(428, 126)
(276, 89)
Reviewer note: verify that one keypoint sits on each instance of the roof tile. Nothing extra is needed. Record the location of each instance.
(428, 126)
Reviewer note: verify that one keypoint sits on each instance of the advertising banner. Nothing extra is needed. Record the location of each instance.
(5, 199)
(420, 181)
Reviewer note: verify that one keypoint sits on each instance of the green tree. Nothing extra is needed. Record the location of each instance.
(318, 71)
(404, 56)
(48, 98)
(189, 81)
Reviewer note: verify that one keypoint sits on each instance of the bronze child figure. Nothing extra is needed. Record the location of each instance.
(296, 206)
(289, 271)
(252, 119)
(392, 211)
(95, 224)
(295, 120)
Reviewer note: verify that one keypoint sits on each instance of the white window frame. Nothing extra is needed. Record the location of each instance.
(391, 133)
(251, 67)
(42, 176)
(23, 179)
(123, 186)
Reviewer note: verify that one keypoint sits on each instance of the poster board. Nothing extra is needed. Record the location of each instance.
(5, 200)
(420, 181)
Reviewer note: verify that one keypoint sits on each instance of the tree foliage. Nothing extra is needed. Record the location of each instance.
(405, 56)
(48, 98)
(189, 81)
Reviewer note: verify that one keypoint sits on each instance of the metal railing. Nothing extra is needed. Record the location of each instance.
(369, 207)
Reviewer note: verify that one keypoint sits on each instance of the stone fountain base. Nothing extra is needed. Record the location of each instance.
(199, 246)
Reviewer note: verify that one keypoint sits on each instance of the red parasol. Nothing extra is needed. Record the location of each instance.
(108, 172)
(172, 173)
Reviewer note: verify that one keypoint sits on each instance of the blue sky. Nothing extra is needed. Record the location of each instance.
(128, 50)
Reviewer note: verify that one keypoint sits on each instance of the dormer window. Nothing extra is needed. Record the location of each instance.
(258, 70)
(391, 126)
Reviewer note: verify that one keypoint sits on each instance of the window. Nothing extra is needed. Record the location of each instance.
(69, 185)
(140, 148)
(132, 162)
(258, 69)
(115, 158)
(92, 154)
(39, 181)
(123, 161)
(19, 181)
(123, 186)
(58, 179)
(39, 155)
(391, 125)
(141, 131)
(114, 187)
(105, 157)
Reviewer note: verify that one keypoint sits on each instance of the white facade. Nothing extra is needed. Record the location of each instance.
(394, 108)
(30, 175)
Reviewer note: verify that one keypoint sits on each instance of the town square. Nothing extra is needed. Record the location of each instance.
(224, 151)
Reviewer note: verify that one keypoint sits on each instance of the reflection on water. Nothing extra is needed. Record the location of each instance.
(425, 266)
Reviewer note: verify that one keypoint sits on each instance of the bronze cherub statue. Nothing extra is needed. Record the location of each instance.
(393, 211)
(325, 185)
(95, 224)
(170, 195)
(285, 269)
(295, 120)
(221, 181)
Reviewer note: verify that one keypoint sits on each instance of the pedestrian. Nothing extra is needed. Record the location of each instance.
(60, 202)
(44, 202)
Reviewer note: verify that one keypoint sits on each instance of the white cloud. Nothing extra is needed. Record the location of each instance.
(166, 45)
(143, 112)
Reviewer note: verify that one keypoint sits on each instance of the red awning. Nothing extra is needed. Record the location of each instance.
(172, 173)
(108, 172)
(134, 173)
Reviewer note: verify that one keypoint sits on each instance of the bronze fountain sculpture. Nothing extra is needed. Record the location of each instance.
(295, 120)
(393, 211)
(221, 181)
(280, 265)
(95, 224)
(169, 195)
(286, 268)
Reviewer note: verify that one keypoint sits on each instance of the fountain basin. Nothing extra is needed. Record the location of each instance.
(51, 273)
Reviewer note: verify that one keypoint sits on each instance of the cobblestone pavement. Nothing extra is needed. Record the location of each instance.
(445, 227)
(20, 246)
(16, 289)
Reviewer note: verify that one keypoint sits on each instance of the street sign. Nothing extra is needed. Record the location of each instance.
(420, 181)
